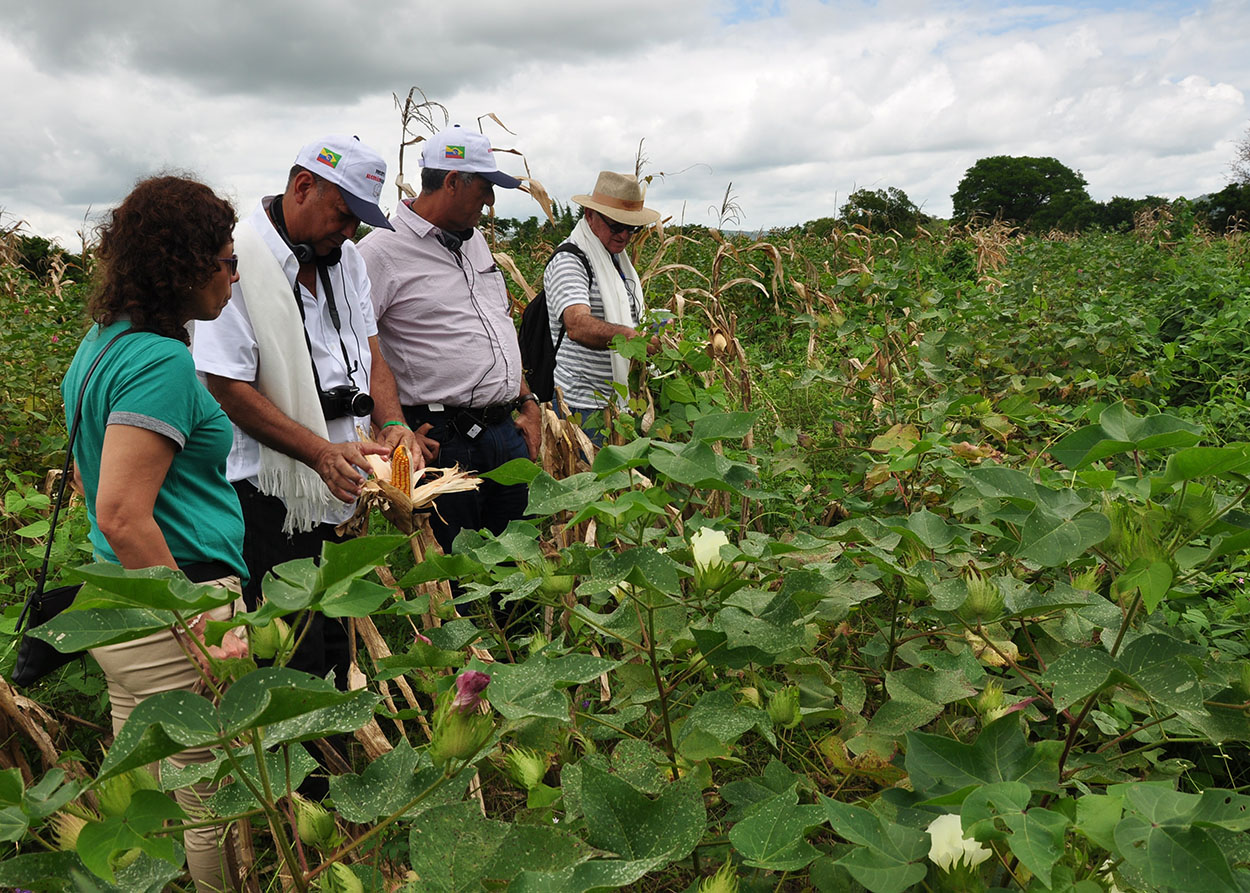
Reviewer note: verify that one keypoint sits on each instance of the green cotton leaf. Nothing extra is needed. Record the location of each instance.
(161, 726)
(932, 530)
(49, 794)
(1036, 835)
(697, 465)
(625, 821)
(596, 875)
(886, 858)
(235, 797)
(390, 782)
(518, 542)
(939, 765)
(152, 588)
(342, 561)
(514, 471)
(1119, 431)
(1000, 482)
(11, 787)
(923, 686)
(98, 841)
(36, 530)
(1051, 541)
(723, 426)
(294, 706)
(1197, 462)
(772, 835)
(72, 631)
(716, 722)
(360, 598)
(535, 687)
(1155, 664)
(13, 824)
(1168, 856)
(442, 567)
(549, 496)
(1096, 818)
(43, 871)
(1153, 578)
(611, 458)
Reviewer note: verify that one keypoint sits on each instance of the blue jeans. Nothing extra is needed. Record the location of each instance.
(492, 505)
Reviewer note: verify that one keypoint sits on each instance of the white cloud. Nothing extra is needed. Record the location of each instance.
(797, 103)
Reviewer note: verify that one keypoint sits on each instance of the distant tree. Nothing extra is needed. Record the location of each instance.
(1035, 193)
(882, 210)
(821, 227)
(1241, 164)
(1120, 214)
(1227, 209)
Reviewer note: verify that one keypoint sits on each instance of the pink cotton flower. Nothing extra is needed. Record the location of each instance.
(469, 687)
(423, 640)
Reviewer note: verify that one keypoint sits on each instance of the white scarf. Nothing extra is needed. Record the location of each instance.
(612, 290)
(284, 376)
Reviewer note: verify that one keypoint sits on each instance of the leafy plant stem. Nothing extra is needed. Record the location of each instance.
(663, 694)
(1128, 618)
(1131, 732)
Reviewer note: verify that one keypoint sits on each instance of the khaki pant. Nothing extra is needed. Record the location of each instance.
(144, 667)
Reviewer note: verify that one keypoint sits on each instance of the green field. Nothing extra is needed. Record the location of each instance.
(982, 497)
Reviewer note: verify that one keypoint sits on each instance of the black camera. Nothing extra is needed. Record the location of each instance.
(344, 400)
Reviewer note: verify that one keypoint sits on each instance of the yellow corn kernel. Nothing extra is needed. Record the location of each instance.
(401, 470)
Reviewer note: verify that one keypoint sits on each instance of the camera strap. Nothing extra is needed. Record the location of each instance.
(334, 318)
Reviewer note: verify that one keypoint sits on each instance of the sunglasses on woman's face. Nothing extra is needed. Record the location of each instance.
(231, 262)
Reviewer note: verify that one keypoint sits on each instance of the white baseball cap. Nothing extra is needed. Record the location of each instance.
(357, 170)
(455, 149)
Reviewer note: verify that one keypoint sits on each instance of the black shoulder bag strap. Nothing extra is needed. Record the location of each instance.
(571, 248)
(37, 593)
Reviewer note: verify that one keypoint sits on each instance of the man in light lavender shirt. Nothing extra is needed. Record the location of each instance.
(446, 331)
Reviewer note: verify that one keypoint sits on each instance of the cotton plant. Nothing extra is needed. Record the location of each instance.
(711, 571)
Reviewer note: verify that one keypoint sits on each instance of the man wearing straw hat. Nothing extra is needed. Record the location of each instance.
(590, 308)
(446, 328)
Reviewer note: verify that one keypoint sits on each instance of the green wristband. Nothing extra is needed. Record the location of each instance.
(388, 424)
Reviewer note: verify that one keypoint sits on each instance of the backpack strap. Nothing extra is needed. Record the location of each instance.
(570, 248)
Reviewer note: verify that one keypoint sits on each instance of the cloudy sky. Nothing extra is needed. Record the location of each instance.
(796, 102)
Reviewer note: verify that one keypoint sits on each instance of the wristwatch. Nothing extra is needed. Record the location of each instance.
(520, 402)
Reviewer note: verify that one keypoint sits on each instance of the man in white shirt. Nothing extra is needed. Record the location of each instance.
(295, 363)
(446, 328)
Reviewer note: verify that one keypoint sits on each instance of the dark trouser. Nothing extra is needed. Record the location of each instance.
(593, 431)
(492, 505)
(325, 646)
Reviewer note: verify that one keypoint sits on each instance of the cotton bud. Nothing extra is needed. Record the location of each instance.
(711, 572)
(751, 695)
(985, 601)
(271, 640)
(65, 828)
(948, 848)
(783, 707)
(537, 642)
(724, 881)
(1087, 580)
(525, 767)
(990, 702)
(313, 823)
(338, 878)
(460, 730)
(114, 793)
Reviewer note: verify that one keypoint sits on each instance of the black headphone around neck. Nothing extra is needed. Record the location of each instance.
(303, 251)
(449, 240)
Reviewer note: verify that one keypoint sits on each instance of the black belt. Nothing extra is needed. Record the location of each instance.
(464, 420)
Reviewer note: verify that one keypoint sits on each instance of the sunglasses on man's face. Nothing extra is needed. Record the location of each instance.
(618, 228)
(231, 262)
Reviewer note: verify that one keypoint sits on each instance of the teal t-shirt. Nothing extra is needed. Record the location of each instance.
(148, 381)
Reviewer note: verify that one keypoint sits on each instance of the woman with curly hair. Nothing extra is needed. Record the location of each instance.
(152, 443)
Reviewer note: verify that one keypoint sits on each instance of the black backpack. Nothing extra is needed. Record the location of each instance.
(538, 354)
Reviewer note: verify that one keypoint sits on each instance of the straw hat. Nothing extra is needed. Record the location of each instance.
(619, 197)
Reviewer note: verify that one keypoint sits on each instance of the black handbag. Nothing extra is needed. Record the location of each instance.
(35, 657)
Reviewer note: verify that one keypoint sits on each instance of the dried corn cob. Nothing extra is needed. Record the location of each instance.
(401, 470)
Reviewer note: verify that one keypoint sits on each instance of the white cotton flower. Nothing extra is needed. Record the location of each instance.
(705, 545)
(948, 847)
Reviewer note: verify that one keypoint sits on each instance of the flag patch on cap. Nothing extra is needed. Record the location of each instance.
(325, 156)
(454, 152)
